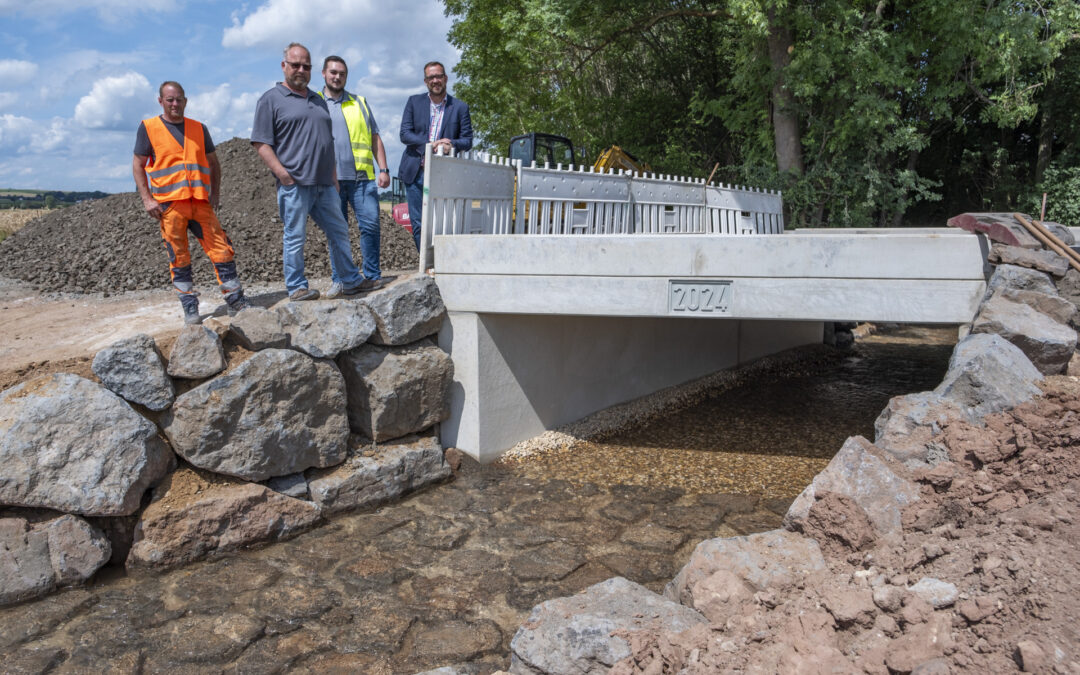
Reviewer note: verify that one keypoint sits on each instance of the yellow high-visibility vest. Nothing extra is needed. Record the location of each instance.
(356, 112)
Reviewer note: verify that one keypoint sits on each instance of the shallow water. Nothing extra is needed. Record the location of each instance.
(447, 575)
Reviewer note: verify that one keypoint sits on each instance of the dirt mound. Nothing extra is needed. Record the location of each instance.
(983, 578)
(110, 245)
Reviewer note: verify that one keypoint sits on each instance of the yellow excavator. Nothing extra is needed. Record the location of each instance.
(555, 150)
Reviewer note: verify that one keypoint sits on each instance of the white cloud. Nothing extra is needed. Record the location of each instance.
(16, 133)
(225, 114)
(14, 73)
(117, 102)
(8, 99)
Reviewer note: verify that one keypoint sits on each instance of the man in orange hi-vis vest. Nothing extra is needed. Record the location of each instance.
(178, 177)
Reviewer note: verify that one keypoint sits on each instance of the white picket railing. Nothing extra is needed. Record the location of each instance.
(474, 193)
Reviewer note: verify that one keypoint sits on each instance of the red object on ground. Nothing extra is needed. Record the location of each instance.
(401, 216)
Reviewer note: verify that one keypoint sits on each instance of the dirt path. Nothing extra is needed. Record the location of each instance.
(45, 333)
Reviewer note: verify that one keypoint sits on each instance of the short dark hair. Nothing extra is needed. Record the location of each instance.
(170, 83)
(328, 59)
(434, 63)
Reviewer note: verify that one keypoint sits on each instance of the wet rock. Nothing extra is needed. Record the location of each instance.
(258, 328)
(870, 477)
(194, 516)
(454, 639)
(549, 562)
(396, 391)
(132, 369)
(39, 557)
(906, 427)
(196, 354)
(935, 592)
(1036, 259)
(988, 374)
(407, 311)
(324, 329)
(391, 470)
(205, 639)
(769, 560)
(653, 537)
(71, 445)
(277, 413)
(1047, 342)
(575, 634)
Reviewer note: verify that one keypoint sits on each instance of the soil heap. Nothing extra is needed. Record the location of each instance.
(111, 245)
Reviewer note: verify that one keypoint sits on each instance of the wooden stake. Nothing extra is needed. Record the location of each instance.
(709, 179)
(1050, 241)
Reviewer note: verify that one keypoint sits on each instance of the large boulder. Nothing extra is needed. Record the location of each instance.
(576, 634)
(908, 424)
(132, 368)
(196, 354)
(871, 478)
(1036, 259)
(195, 515)
(988, 374)
(379, 475)
(324, 329)
(258, 328)
(277, 413)
(396, 391)
(71, 445)
(36, 558)
(772, 560)
(1047, 342)
(1018, 278)
(407, 311)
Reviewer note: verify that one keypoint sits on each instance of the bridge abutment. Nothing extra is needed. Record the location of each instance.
(517, 375)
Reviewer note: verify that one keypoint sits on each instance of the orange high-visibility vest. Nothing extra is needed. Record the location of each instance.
(178, 172)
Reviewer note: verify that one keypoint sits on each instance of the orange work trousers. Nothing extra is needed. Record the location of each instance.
(198, 218)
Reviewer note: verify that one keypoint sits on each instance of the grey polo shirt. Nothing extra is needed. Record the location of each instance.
(299, 129)
(346, 167)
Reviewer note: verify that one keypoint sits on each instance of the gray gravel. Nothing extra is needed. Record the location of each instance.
(110, 245)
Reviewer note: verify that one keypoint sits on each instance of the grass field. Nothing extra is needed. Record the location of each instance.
(12, 220)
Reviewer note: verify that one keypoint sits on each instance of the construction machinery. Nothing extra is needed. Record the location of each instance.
(553, 150)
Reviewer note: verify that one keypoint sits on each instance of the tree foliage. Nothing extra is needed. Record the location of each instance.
(863, 112)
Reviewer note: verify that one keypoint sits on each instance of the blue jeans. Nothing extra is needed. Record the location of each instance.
(321, 202)
(414, 195)
(364, 196)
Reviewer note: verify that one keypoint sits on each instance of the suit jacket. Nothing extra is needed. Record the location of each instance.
(456, 125)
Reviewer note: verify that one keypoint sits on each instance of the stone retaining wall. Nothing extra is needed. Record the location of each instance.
(333, 409)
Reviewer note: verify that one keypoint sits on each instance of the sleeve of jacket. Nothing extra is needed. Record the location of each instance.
(464, 140)
(408, 133)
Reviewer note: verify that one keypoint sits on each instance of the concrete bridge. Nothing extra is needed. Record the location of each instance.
(580, 290)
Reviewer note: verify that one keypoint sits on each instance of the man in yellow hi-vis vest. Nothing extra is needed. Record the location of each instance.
(178, 177)
(361, 167)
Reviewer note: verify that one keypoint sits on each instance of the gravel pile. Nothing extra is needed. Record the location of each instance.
(111, 245)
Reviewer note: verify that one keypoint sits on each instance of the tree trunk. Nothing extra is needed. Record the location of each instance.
(1046, 143)
(785, 117)
(898, 215)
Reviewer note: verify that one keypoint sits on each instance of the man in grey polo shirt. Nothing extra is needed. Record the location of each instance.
(292, 134)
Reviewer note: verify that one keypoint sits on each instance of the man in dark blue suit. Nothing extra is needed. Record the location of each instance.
(435, 117)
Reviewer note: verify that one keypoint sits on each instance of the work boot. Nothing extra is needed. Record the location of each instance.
(365, 286)
(190, 303)
(301, 294)
(335, 291)
(235, 303)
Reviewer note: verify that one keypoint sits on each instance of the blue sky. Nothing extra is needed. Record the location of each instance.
(77, 76)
